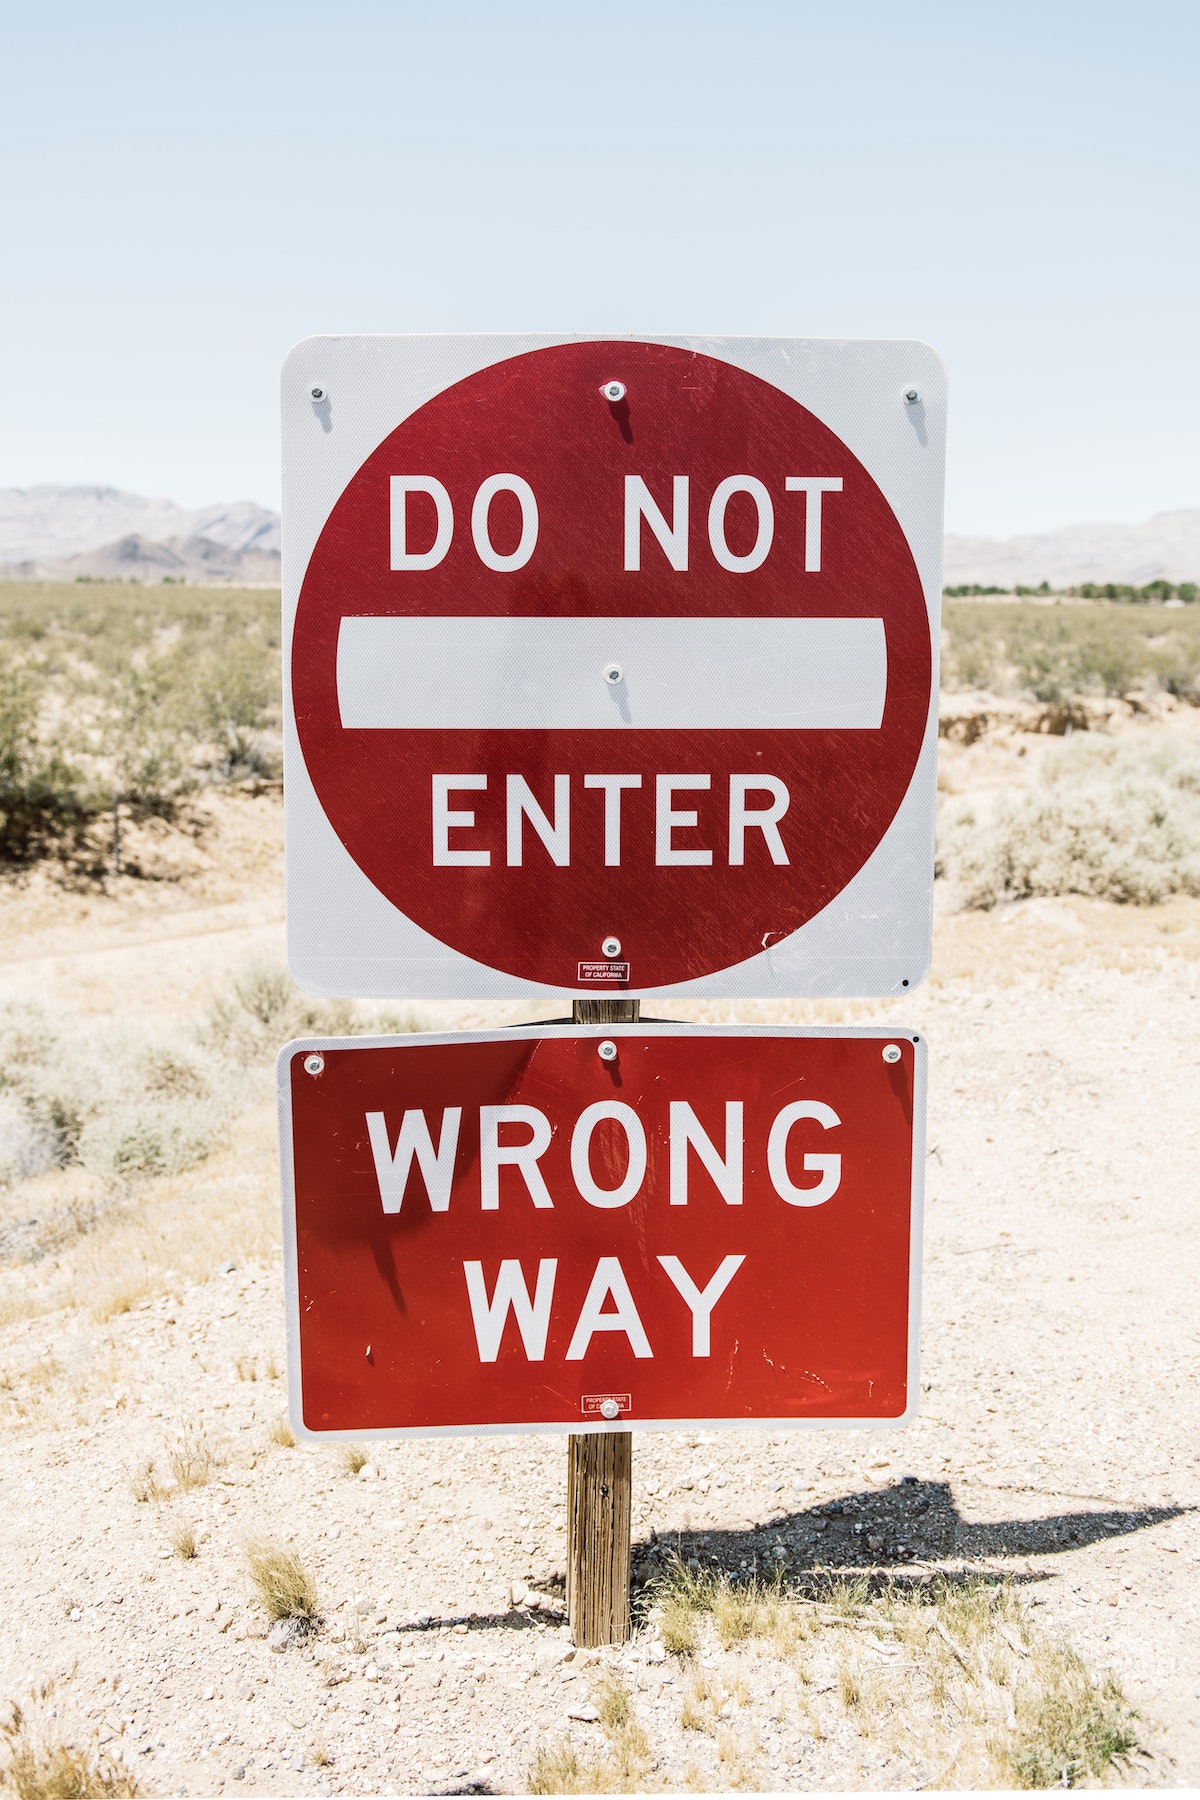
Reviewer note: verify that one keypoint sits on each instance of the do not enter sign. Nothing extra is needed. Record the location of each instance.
(611, 665)
(564, 1228)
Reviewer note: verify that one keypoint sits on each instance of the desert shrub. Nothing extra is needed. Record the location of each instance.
(116, 688)
(43, 796)
(237, 687)
(27, 1146)
(1051, 653)
(121, 1101)
(1117, 823)
(265, 1008)
(130, 1102)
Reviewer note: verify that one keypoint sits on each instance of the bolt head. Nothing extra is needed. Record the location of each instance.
(891, 1053)
(611, 946)
(313, 1064)
(613, 674)
(607, 1051)
(609, 1409)
(613, 391)
(912, 396)
(316, 394)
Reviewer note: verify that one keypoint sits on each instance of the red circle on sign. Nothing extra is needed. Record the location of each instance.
(542, 417)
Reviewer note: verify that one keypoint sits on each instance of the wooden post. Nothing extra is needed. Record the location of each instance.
(599, 1478)
(598, 1484)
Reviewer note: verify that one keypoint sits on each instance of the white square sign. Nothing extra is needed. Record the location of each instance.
(611, 664)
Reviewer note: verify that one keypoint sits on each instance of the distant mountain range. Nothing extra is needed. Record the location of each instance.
(104, 533)
(1164, 548)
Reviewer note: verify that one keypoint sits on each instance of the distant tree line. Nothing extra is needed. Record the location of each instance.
(1187, 591)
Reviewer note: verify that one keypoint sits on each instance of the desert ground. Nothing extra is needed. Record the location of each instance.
(1056, 1451)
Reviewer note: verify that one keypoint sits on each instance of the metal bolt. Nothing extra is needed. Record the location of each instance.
(609, 1409)
(611, 946)
(613, 391)
(316, 394)
(607, 1051)
(891, 1053)
(912, 396)
(613, 673)
(313, 1064)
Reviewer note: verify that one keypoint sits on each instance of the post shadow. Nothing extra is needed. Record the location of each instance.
(918, 1521)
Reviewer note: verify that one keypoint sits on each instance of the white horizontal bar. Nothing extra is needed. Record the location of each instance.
(543, 674)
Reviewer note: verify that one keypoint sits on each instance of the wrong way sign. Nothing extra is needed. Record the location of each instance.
(611, 664)
(574, 1228)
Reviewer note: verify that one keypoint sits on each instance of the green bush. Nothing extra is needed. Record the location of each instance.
(143, 692)
(42, 794)
(1053, 653)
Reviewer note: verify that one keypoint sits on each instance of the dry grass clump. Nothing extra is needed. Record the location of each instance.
(182, 1539)
(192, 1463)
(613, 1702)
(1077, 1729)
(38, 1765)
(283, 1583)
(1116, 822)
(353, 1457)
(950, 1674)
(282, 1434)
(146, 1484)
(681, 1596)
(623, 1765)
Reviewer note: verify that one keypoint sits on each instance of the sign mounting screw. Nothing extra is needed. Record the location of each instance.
(613, 391)
(891, 1053)
(607, 1051)
(912, 396)
(313, 1064)
(613, 674)
(317, 393)
(609, 1409)
(611, 946)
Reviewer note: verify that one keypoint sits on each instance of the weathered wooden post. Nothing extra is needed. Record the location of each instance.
(599, 1478)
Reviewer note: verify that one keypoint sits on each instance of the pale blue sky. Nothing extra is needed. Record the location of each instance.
(187, 190)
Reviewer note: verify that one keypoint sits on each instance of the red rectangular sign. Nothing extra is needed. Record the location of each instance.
(591, 1227)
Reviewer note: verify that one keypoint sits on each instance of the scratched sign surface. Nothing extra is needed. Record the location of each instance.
(611, 664)
(525, 1231)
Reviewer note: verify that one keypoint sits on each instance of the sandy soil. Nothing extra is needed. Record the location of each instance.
(1057, 1437)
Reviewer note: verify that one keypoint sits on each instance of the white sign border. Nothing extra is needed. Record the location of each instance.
(835, 954)
(533, 1034)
